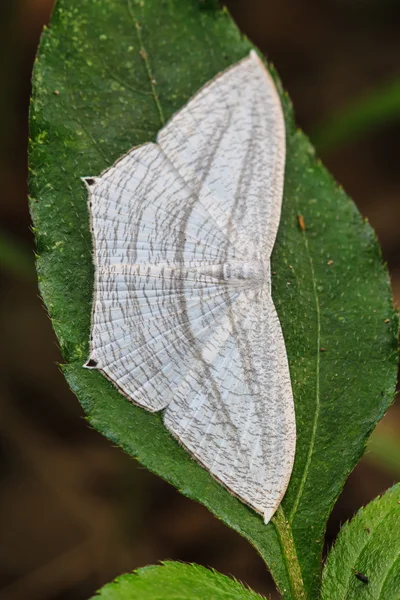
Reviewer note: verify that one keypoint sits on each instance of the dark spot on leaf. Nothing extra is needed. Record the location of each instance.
(361, 576)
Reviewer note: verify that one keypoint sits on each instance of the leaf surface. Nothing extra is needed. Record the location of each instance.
(370, 545)
(108, 75)
(175, 581)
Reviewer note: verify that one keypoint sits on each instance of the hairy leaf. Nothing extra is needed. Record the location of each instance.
(365, 561)
(175, 581)
(108, 75)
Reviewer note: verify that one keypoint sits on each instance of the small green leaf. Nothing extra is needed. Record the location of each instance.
(108, 75)
(175, 581)
(365, 561)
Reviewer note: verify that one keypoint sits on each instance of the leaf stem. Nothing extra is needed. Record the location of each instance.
(359, 117)
(286, 540)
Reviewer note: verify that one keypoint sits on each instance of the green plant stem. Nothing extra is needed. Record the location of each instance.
(285, 535)
(383, 450)
(15, 258)
(359, 117)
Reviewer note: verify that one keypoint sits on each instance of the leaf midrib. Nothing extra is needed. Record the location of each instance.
(392, 568)
(311, 446)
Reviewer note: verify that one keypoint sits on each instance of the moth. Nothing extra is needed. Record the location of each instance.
(183, 321)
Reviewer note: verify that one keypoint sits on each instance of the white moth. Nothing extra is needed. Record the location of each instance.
(183, 321)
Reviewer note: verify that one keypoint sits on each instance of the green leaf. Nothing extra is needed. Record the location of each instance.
(370, 545)
(175, 581)
(108, 74)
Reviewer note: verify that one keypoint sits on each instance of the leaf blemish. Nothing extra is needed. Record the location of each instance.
(301, 222)
(361, 577)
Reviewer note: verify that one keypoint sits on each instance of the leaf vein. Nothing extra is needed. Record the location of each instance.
(317, 386)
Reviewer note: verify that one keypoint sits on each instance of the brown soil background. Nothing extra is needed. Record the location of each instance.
(76, 511)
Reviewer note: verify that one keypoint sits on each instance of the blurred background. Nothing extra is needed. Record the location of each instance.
(75, 511)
